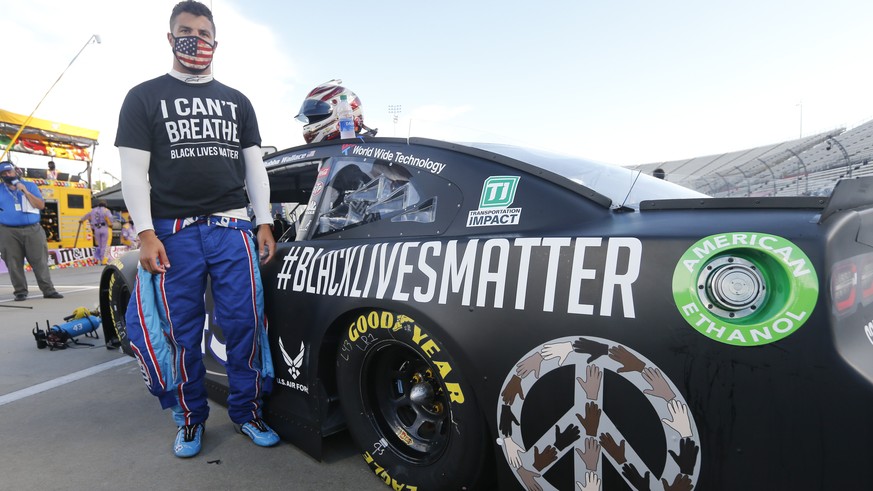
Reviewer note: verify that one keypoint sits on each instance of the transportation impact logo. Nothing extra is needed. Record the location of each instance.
(498, 192)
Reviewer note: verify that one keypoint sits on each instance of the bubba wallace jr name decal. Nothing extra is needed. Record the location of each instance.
(491, 273)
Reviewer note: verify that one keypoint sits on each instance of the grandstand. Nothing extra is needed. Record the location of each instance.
(808, 166)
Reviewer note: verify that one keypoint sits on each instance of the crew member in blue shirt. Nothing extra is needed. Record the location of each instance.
(21, 235)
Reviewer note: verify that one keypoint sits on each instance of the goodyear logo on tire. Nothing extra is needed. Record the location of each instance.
(745, 288)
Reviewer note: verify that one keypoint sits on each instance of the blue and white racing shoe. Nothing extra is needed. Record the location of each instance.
(261, 434)
(189, 440)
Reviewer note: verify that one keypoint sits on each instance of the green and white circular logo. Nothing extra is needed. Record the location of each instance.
(745, 288)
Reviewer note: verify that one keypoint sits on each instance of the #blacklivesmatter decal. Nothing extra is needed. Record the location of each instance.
(498, 193)
(493, 273)
(201, 127)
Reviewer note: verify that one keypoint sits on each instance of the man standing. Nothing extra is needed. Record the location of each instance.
(190, 152)
(101, 225)
(21, 235)
(52, 172)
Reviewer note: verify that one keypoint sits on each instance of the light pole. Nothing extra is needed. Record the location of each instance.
(394, 111)
(94, 37)
(117, 180)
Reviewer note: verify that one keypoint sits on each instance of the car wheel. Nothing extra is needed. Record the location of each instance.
(117, 295)
(407, 406)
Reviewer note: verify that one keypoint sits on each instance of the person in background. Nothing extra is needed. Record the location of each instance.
(128, 235)
(21, 235)
(101, 225)
(51, 173)
(187, 194)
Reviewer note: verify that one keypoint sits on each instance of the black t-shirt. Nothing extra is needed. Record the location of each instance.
(195, 133)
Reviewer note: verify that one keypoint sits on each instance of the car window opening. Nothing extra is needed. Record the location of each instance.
(361, 192)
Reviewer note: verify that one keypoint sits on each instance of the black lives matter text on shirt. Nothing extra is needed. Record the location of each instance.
(200, 122)
(195, 134)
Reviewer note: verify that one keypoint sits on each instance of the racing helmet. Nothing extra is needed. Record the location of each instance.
(319, 112)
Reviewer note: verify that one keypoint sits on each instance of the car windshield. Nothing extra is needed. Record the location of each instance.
(623, 186)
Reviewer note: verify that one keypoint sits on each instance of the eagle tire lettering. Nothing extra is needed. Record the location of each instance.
(769, 284)
(585, 433)
(407, 405)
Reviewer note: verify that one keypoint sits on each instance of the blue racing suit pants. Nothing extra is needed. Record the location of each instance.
(167, 313)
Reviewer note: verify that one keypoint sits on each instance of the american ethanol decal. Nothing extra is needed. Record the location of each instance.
(745, 288)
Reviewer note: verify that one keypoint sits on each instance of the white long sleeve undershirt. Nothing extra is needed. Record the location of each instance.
(136, 189)
(135, 186)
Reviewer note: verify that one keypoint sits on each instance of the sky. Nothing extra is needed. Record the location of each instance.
(625, 82)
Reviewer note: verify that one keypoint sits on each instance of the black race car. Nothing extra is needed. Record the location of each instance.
(482, 316)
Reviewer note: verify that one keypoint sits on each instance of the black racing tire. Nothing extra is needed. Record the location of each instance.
(408, 406)
(114, 300)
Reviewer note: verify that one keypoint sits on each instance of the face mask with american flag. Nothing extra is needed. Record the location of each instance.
(192, 52)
